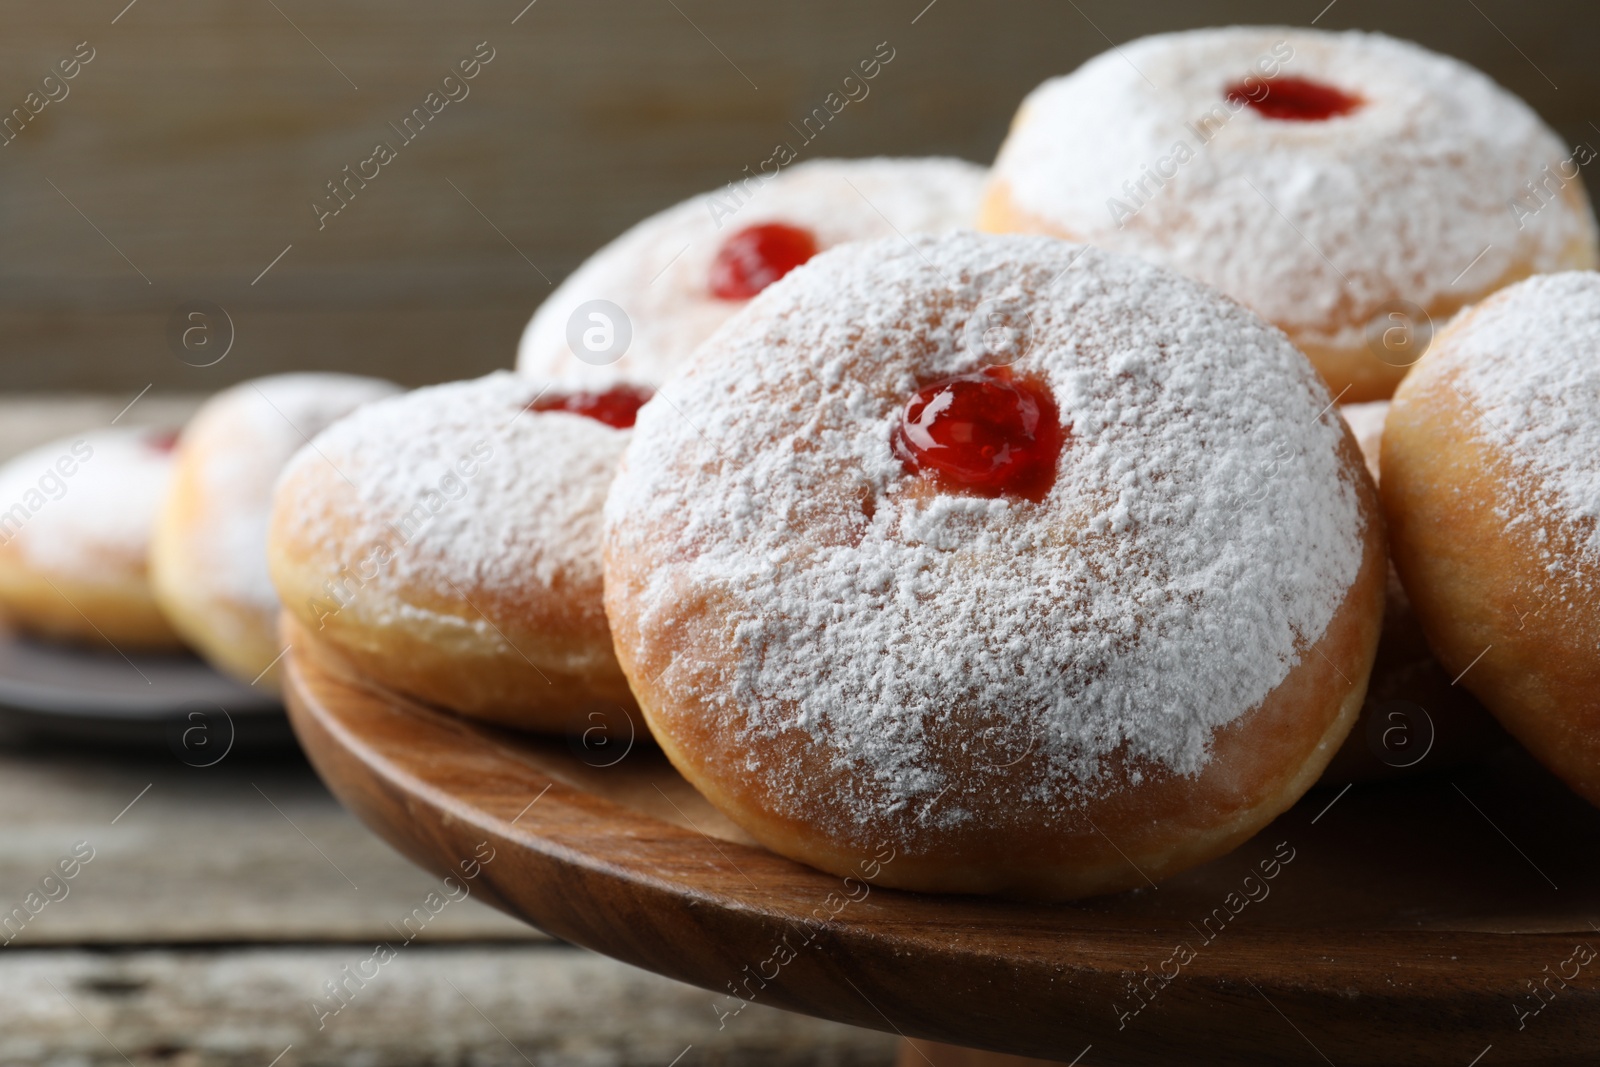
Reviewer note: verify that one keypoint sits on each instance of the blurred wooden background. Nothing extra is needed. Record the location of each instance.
(186, 154)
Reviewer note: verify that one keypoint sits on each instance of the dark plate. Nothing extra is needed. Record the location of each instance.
(107, 696)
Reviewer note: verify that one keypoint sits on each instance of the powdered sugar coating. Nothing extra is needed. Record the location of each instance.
(659, 271)
(246, 434)
(472, 493)
(1528, 362)
(1393, 201)
(1202, 529)
(95, 520)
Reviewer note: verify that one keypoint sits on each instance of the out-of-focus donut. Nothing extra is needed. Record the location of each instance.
(1350, 187)
(208, 557)
(75, 535)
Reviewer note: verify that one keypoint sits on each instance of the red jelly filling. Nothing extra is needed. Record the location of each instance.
(985, 432)
(162, 440)
(1293, 99)
(618, 406)
(754, 258)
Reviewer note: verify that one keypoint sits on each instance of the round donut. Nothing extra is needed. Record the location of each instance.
(208, 556)
(1414, 720)
(1352, 188)
(1491, 485)
(1046, 627)
(446, 543)
(75, 534)
(681, 273)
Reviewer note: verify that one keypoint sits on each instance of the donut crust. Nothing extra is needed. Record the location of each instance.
(533, 667)
(118, 612)
(1489, 610)
(232, 635)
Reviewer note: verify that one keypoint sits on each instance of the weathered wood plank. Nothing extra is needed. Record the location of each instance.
(486, 1006)
(243, 851)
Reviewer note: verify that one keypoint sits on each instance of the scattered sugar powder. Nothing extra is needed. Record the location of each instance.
(1398, 197)
(1201, 531)
(1528, 360)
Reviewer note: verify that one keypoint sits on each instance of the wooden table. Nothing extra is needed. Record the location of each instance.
(219, 902)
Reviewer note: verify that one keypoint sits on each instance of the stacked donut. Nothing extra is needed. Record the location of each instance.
(1042, 553)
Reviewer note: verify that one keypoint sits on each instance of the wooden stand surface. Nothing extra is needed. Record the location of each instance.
(1434, 921)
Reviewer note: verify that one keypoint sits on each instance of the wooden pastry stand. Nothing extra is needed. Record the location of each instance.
(1412, 923)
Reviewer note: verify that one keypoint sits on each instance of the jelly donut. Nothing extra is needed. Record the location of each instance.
(208, 557)
(75, 534)
(1491, 484)
(1414, 720)
(1047, 627)
(680, 274)
(1350, 187)
(446, 543)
